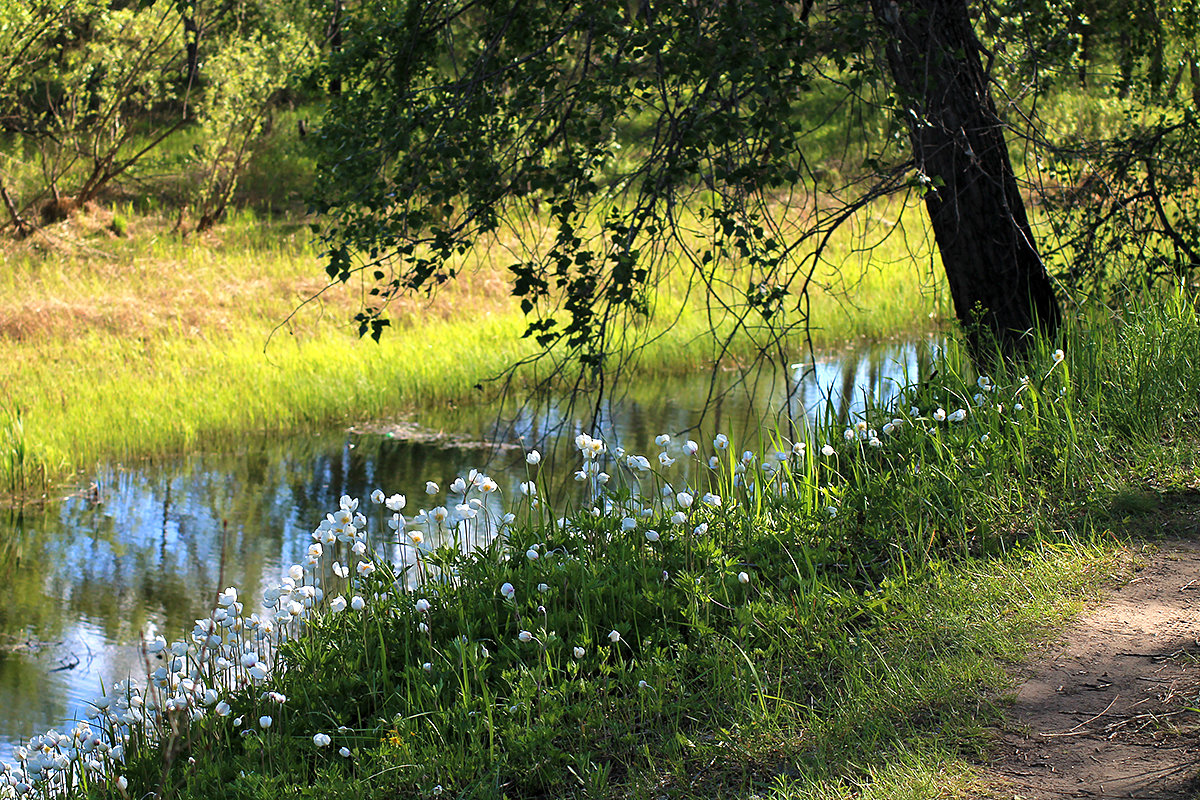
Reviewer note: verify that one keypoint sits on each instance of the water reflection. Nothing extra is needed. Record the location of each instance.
(87, 576)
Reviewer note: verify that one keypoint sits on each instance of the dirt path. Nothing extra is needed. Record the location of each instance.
(1104, 713)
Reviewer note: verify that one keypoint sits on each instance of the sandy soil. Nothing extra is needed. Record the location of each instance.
(1108, 711)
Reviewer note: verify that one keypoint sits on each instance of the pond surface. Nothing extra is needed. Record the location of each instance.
(142, 549)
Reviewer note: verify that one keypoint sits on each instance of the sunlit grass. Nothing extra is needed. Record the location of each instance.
(121, 347)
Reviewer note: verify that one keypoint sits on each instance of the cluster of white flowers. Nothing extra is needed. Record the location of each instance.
(229, 653)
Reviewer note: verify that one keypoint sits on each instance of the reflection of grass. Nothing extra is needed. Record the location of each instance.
(145, 344)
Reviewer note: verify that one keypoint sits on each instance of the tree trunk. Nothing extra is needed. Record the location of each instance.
(997, 279)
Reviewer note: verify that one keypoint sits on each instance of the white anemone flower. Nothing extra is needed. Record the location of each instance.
(321, 739)
(431, 487)
(665, 459)
(580, 652)
(265, 721)
(721, 442)
(939, 415)
(357, 603)
(743, 577)
(690, 447)
(684, 499)
(377, 496)
(662, 440)
(1059, 355)
(827, 450)
(508, 591)
(396, 502)
(422, 606)
(337, 605)
(458, 485)
(525, 636)
(652, 536)
(533, 457)
(614, 636)
(958, 416)
(532, 554)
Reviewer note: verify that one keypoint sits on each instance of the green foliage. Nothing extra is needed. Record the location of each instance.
(613, 119)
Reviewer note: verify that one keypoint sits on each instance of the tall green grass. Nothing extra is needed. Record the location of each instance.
(119, 348)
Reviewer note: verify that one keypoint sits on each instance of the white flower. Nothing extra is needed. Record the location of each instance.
(341, 570)
(580, 652)
(427, 666)
(684, 499)
(798, 448)
(979, 400)
(459, 485)
(430, 488)
(711, 499)
(939, 415)
(337, 604)
(296, 572)
(543, 587)
(662, 440)
(422, 606)
(987, 437)
(721, 442)
(700, 529)
(533, 457)
(396, 502)
(344, 752)
(1059, 355)
(875, 441)
(643, 685)
(525, 636)
(678, 518)
(528, 489)
(958, 416)
(122, 784)
(377, 496)
(831, 511)
(651, 536)
(365, 568)
(1018, 407)
(614, 636)
(743, 577)
(348, 503)
(827, 450)
(223, 709)
(690, 447)
(532, 554)
(321, 739)
(638, 463)
(713, 462)
(264, 721)
(665, 459)
(357, 603)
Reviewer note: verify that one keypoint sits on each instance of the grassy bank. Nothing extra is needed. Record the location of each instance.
(124, 346)
(829, 619)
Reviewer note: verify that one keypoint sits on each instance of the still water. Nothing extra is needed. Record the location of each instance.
(141, 549)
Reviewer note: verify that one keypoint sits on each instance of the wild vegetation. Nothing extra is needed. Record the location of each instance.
(825, 616)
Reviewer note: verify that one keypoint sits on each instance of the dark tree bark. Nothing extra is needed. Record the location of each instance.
(997, 279)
